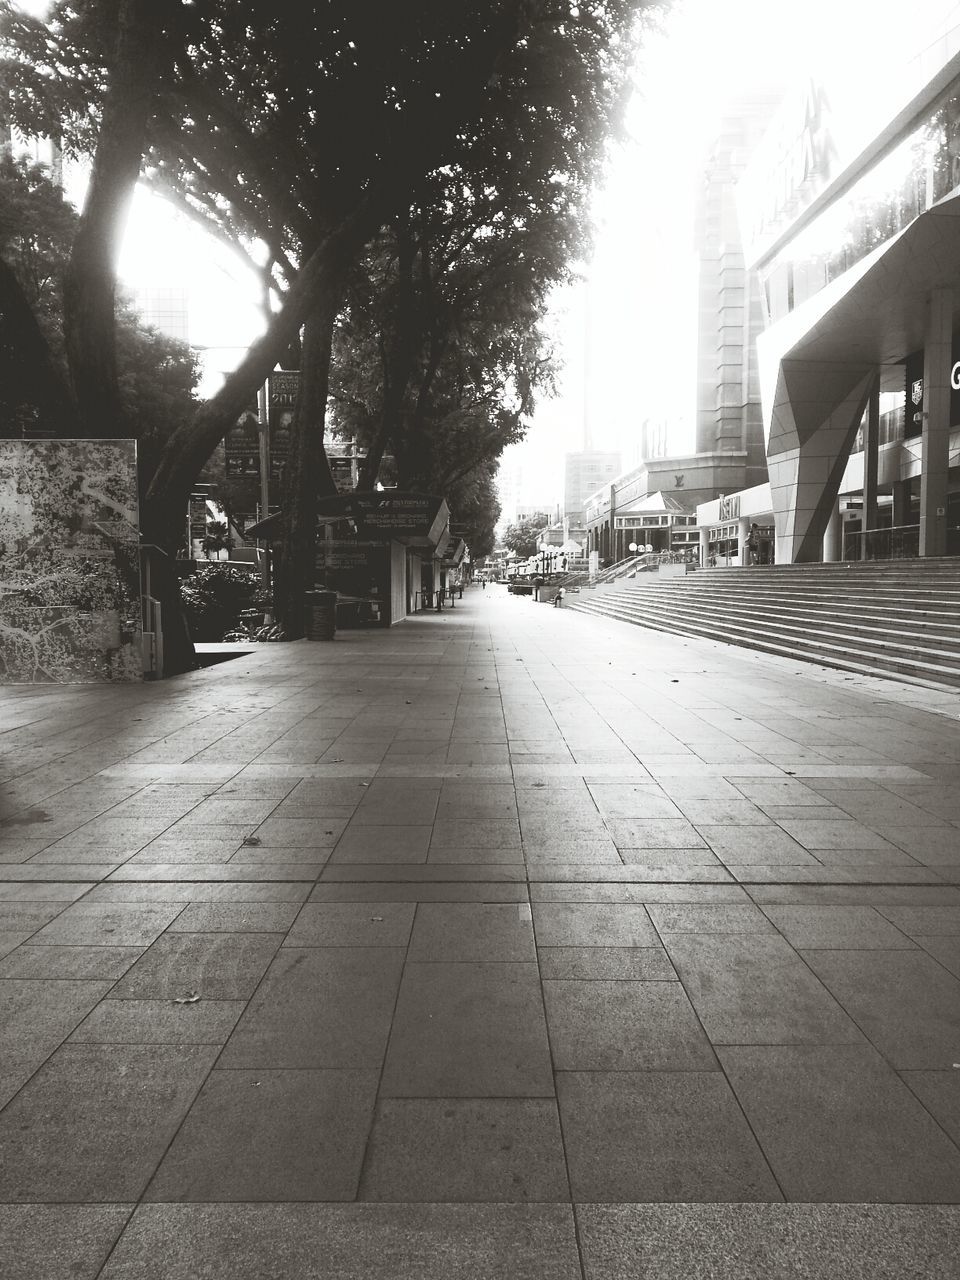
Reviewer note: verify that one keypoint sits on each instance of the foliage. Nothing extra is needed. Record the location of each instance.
(217, 537)
(524, 536)
(214, 598)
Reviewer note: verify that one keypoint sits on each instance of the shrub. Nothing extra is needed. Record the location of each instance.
(214, 598)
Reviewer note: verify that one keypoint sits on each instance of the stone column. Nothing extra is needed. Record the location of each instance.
(901, 502)
(832, 538)
(935, 440)
(704, 548)
(871, 445)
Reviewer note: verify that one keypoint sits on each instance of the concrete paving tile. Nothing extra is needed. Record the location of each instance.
(93, 1122)
(630, 872)
(766, 846)
(46, 1242)
(319, 1007)
(785, 791)
(468, 1030)
(837, 927)
(638, 800)
(479, 857)
(466, 801)
(457, 1149)
(943, 948)
(183, 849)
(593, 924)
(215, 966)
(63, 893)
(654, 833)
(368, 1242)
(110, 924)
(235, 917)
(704, 918)
(201, 891)
(190, 873)
(423, 892)
(303, 833)
(691, 858)
(601, 1025)
(269, 857)
(733, 813)
(855, 895)
(903, 1001)
(349, 924)
(636, 892)
(159, 1022)
(22, 850)
(808, 812)
(468, 833)
(927, 844)
(382, 844)
(848, 834)
(108, 963)
(412, 803)
(659, 1136)
(837, 1124)
(754, 989)
(938, 1092)
(270, 1135)
(631, 964)
(27, 917)
(471, 931)
(35, 872)
(419, 873)
(325, 792)
(868, 873)
(760, 1241)
(35, 1017)
(229, 809)
(700, 788)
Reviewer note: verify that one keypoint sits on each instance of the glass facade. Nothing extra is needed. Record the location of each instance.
(918, 172)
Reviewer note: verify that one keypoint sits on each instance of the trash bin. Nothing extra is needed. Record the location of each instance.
(321, 614)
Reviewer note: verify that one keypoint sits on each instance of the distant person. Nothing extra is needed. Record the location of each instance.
(558, 598)
(753, 545)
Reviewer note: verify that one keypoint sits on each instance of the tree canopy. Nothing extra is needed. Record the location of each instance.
(300, 136)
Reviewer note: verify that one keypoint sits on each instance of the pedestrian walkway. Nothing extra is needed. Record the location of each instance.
(508, 944)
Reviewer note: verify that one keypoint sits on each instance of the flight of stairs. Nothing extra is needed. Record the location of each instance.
(899, 617)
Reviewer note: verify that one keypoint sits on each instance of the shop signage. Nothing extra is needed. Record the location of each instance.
(913, 415)
(389, 513)
(730, 507)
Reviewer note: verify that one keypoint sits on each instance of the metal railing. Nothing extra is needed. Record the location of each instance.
(897, 542)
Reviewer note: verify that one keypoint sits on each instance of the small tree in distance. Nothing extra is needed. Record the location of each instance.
(524, 536)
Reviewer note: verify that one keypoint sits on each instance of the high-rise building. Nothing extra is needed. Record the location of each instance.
(728, 413)
(584, 473)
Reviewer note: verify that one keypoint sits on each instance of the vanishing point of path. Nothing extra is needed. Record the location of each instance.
(508, 944)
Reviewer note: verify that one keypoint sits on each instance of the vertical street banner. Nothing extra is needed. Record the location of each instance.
(241, 446)
(283, 391)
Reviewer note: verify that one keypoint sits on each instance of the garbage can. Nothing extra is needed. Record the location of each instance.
(321, 614)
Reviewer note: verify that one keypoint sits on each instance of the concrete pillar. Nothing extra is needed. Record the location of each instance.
(704, 548)
(901, 503)
(833, 537)
(935, 439)
(743, 533)
(871, 445)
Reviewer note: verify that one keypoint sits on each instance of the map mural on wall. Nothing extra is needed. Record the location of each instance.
(69, 561)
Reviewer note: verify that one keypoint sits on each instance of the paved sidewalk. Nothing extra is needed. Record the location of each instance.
(509, 944)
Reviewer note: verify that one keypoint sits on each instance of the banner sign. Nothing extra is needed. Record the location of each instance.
(242, 445)
(283, 390)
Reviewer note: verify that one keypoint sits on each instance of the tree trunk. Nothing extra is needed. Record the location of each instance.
(308, 475)
(89, 287)
(33, 376)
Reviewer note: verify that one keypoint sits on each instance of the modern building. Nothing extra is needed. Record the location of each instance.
(583, 473)
(850, 216)
(654, 503)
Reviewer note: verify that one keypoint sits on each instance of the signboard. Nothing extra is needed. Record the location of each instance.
(913, 409)
(390, 513)
(730, 507)
(242, 445)
(283, 390)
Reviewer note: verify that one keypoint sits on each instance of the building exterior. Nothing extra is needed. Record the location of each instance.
(850, 216)
(583, 473)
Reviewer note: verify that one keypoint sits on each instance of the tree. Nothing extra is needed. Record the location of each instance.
(524, 536)
(231, 109)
